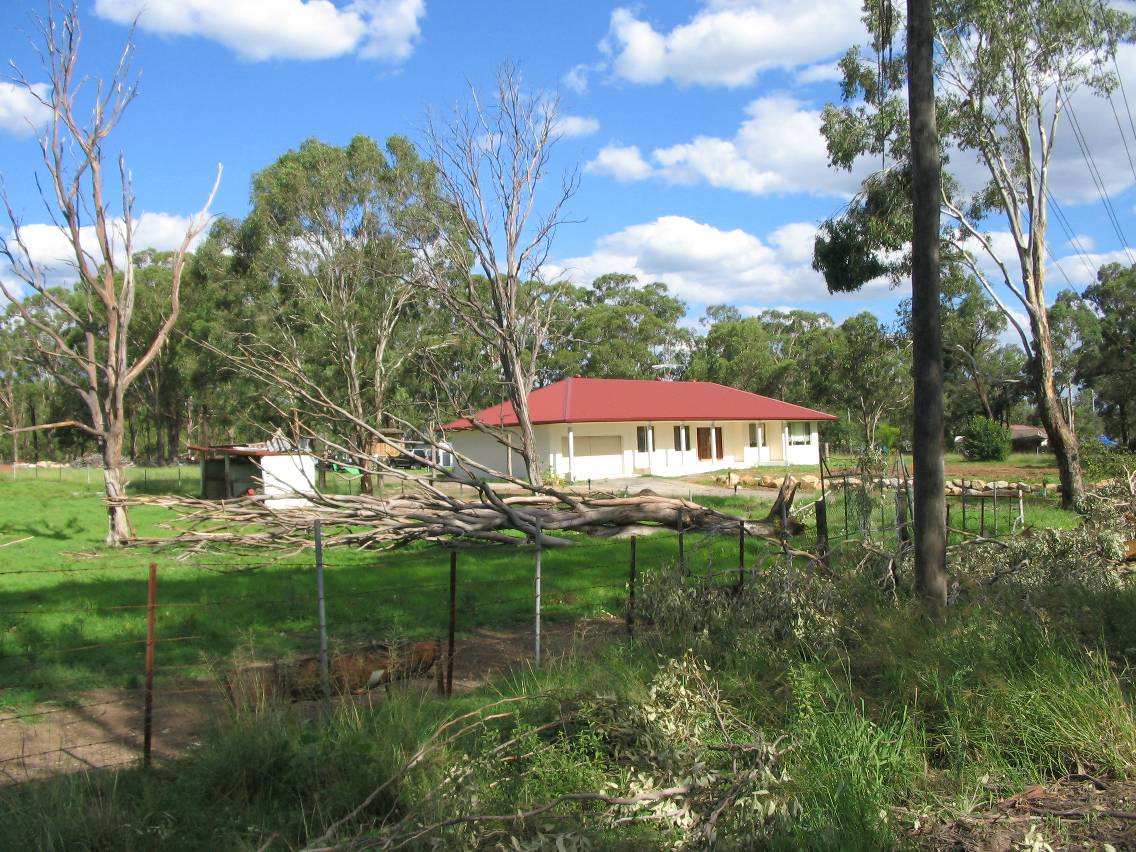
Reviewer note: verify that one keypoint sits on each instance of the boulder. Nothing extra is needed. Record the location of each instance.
(810, 482)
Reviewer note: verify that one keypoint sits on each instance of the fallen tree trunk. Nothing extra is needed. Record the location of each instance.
(367, 521)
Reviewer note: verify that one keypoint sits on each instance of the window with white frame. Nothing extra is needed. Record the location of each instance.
(644, 438)
(800, 434)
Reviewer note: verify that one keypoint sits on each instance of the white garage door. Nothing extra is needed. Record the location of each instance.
(596, 456)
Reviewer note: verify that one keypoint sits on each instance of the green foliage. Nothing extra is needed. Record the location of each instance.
(985, 440)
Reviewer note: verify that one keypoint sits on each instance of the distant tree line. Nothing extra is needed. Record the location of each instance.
(319, 286)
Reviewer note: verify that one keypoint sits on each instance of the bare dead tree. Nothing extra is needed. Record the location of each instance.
(493, 160)
(83, 338)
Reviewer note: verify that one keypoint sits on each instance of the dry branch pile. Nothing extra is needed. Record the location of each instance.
(479, 516)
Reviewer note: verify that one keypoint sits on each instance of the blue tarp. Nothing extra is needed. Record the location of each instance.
(1107, 441)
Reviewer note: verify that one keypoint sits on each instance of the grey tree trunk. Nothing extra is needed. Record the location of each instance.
(930, 519)
(118, 523)
(1062, 438)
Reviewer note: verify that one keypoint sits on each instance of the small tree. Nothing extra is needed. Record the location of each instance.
(985, 440)
(83, 337)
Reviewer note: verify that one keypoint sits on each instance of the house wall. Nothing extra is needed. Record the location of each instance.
(618, 454)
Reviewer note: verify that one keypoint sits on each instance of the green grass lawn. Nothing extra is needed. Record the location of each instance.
(892, 717)
(73, 611)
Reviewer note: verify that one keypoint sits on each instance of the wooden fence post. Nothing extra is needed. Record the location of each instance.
(822, 528)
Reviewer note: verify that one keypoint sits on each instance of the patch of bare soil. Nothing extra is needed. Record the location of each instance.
(1077, 812)
(104, 727)
(995, 471)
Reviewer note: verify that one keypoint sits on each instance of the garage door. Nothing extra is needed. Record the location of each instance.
(596, 456)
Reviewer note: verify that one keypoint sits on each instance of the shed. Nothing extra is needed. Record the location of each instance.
(276, 468)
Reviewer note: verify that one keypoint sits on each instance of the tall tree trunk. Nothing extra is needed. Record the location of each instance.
(983, 396)
(118, 524)
(520, 383)
(1062, 439)
(930, 517)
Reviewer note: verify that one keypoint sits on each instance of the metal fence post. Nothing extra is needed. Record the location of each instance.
(536, 600)
(785, 536)
(741, 554)
(325, 679)
(994, 508)
(148, 709)
(453, 621)
(822, 528)
(631, 576)
(681, 536)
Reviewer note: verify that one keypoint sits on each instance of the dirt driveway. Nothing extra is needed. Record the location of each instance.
(104, 728)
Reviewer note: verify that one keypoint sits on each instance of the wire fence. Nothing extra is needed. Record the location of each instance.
(106, 667)
(74, 677)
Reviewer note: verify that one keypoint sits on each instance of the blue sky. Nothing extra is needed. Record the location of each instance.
(694, 125)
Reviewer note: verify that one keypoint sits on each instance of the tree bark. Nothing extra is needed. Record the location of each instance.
(118, 523)
(1062, 439)
(930, 519)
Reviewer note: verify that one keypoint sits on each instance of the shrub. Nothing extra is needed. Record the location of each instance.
(985, 440)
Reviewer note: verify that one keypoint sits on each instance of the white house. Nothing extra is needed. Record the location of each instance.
(602, 428)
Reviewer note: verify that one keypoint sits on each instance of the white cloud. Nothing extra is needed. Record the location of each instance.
(822, 72)
(576, 125)
(53, 257)
(1080, 270)
(730, 43)
(1080, 242)
(20, 113)
(282, 29)
(778, 148)
(706, 265)
(577, 77)
(622, 163)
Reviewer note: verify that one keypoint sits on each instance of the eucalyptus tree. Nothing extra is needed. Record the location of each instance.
(1096, 334)
(1005, 71)
(326, 231)
(872, 373)
(85, 340)
(617, 328)
(485, 260)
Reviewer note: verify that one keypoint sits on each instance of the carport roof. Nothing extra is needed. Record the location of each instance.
(580, 400)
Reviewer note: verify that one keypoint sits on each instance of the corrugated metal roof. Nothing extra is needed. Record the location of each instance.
(580, 400)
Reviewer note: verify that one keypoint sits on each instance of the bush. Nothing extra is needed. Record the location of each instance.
(985, 440)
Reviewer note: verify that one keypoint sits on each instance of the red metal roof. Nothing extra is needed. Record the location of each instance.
(580, 400)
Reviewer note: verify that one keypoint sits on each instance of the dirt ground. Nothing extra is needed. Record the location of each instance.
(107, 729)
(1077, 812)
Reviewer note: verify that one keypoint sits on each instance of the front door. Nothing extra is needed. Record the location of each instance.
(704, 452)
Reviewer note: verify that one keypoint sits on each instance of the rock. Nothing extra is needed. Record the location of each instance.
(1000, 484)
(810, 482)
(976, 484)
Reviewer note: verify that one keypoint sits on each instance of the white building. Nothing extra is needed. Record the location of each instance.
(274, 468)
(602, 428)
